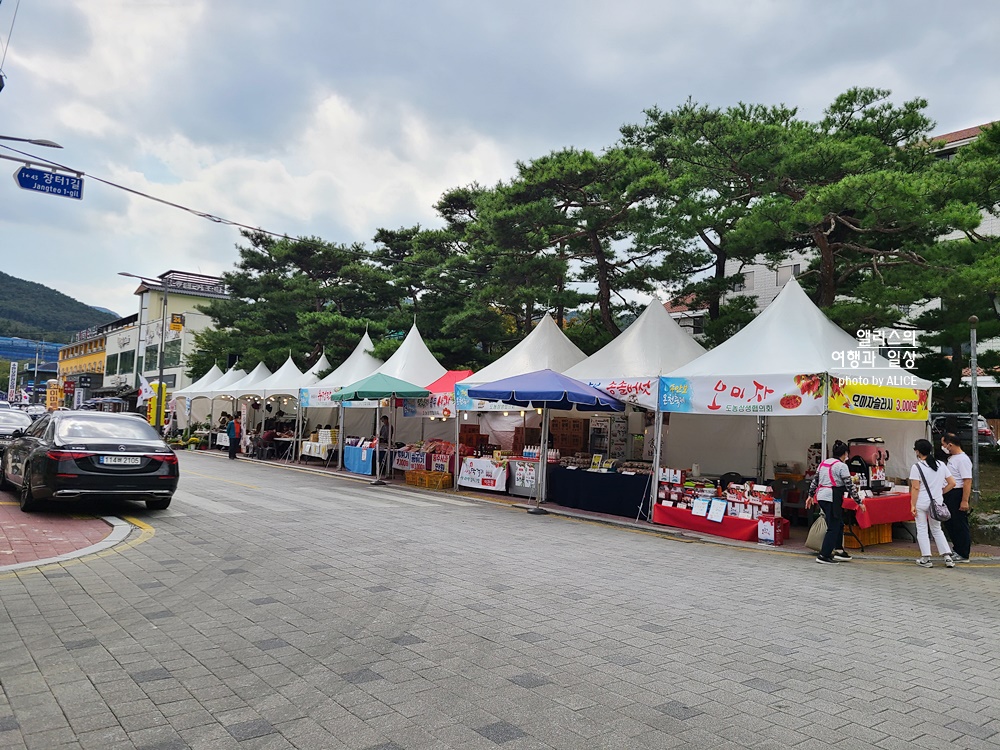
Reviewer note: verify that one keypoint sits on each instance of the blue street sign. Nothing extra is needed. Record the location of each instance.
(45, 181)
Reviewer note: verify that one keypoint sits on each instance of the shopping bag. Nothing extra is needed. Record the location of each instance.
(814, 539)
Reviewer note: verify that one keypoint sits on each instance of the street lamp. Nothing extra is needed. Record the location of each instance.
(973, 366)
(162, 389)
(32, 141)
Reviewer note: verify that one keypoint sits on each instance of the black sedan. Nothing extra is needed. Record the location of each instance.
(67, 455)
(11, 420)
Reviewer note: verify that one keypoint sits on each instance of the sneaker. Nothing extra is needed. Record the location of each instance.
(924, 562)
(949, 562)
(842, 556)
(959, 558)
(826, 560)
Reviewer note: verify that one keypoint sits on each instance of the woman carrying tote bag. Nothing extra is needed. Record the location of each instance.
(929, 478)
(828, 487)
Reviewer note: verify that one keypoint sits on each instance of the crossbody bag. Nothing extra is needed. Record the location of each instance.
(938, 510)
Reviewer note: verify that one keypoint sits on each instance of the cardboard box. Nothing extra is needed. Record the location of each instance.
(770, 530)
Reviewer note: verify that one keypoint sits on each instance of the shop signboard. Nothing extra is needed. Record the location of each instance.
(12, 383)
(408, 461)
(644, 392)
(483, 474)
(761, 395)
(176, 322)
(441, 462)
(464, 403)
(869, 396)
(53, 396)
(435, 405)
(313, 397)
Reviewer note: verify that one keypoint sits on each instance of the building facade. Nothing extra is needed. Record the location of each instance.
(169, 316)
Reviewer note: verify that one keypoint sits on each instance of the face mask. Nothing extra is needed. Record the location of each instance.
(945, 449)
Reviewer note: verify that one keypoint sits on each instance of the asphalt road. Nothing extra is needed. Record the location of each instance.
(274, 608)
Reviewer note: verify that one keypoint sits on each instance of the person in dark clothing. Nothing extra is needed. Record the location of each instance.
(235, 431)
(828, 485)
(957, 499)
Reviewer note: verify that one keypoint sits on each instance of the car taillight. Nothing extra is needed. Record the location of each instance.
(67, 455)
(166, 458)
(985, 431)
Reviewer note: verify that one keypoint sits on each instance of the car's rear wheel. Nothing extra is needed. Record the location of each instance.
(4, 484)
(158, 504)
(25, 496)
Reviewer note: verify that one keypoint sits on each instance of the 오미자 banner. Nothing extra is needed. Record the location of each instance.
(767, 395)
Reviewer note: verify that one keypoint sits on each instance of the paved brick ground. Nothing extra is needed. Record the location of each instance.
(279, 609)
(26, 537)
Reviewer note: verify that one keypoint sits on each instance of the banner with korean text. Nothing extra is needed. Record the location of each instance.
(765, 395)
(867, 396)
(12, 383)
(644, 392)
(434, 405)
(464, 403)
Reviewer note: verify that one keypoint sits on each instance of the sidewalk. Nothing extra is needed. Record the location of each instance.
(899, 550)
(28, 539)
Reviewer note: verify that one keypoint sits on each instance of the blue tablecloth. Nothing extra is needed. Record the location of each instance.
(358, 460)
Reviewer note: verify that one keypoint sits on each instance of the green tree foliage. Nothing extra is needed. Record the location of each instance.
(295, 297)
(717, 164)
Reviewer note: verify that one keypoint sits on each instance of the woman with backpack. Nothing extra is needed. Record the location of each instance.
(831, 480)
(929, 479)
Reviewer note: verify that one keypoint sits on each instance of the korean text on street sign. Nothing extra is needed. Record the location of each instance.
(45, 181)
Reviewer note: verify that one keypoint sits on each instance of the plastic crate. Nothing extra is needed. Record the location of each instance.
(880, 533)
(438, 480)
(415, 478)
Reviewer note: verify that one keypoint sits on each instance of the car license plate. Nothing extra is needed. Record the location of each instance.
(121, 460)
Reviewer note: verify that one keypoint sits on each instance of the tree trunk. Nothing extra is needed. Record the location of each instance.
(715, 301)
(603, 286)
(827, 271)
(957, 365)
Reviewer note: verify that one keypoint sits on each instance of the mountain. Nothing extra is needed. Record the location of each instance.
(34, 311)
(106, 310)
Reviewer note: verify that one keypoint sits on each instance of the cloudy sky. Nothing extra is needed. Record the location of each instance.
(333, 119)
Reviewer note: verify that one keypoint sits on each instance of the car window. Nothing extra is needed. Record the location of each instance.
(14, 419)
(83, 427)
(38, 428)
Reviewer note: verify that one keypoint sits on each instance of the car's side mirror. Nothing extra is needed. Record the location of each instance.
(17, 433)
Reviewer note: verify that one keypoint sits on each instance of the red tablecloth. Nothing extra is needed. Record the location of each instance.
(882, 509)
(731, 527)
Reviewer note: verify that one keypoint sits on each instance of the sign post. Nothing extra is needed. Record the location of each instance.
(47, 181)
(12, 384)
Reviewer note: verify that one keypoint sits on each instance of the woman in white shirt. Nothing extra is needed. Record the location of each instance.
(929, 475)
(957, 500)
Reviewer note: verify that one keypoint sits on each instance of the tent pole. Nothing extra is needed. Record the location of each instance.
(378, 461)
(657, 453)
(457, 455)
(543, 466)
(761, 449)
(340, 436)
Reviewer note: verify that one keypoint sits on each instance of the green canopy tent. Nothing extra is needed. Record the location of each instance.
(378, 386)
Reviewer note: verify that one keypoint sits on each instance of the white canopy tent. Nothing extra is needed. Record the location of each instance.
(321, 364)
(185, 415)
(630, 366)
(232, 375)
(202, 383)
(413, 361)
(545, 348)
(316, 396)
(774, 358)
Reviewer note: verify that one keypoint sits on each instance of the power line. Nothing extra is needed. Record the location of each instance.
(229, 222)
(9, 34)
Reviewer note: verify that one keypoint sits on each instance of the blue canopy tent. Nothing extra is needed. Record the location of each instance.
(546, 389)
